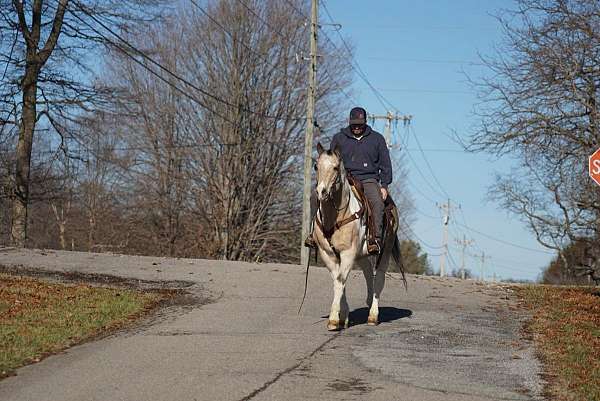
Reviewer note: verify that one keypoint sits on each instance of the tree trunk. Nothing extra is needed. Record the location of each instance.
(35, 59)
(21, 188)
(91, 230)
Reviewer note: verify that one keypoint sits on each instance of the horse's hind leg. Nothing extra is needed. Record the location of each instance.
(379, 284)
(367, 269)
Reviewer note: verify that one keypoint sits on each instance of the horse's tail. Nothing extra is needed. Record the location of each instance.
(398, 259)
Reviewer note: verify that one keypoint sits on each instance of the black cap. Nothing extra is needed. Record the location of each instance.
(358, 115)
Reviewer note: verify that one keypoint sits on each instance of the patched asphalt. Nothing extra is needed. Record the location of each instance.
(239, 337)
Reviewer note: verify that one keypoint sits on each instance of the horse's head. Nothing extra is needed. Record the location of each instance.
(330, 172)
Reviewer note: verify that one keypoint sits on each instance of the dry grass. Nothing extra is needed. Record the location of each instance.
(566, 329)
(38, 318)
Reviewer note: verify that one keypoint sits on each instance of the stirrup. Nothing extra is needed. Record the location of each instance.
(374, 246)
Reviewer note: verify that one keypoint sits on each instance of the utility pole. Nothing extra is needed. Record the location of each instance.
(464, 243)
(310, 126)
(446, 209)
(389, 117)
(483, 258)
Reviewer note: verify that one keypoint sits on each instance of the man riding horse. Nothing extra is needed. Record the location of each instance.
(366, 157)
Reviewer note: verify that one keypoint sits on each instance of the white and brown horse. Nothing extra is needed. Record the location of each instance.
(340, 234)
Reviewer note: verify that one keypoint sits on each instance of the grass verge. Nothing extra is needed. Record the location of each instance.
(39, 318)
(566, 330)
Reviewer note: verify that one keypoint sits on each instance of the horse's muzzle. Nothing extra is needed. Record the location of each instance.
(323, 194)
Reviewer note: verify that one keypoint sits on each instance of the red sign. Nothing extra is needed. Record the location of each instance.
(594, 166)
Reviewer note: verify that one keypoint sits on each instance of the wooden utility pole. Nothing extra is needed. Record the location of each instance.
(389, 117)
(483, 258)
(446, 209)
(310, 126)
(464, 243)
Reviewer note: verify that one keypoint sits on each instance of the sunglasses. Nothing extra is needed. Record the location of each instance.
(357, 127)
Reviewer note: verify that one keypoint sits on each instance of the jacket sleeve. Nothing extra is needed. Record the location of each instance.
(385, 164)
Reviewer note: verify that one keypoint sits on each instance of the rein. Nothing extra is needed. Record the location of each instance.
(328, 233)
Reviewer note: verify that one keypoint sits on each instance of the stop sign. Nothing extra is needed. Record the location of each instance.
(594, 166)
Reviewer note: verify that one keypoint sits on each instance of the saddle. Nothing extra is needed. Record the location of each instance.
(390, 212)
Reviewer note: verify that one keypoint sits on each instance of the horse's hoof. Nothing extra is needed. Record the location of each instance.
(333, 325)
(372, 321)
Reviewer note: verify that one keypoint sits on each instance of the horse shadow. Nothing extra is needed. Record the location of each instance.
(386, 314)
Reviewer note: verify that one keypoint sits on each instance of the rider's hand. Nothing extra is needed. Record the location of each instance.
(384, 193)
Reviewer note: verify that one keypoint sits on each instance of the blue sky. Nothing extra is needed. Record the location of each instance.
(416, 53)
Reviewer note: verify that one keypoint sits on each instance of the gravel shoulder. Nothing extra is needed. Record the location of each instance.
(240, 338)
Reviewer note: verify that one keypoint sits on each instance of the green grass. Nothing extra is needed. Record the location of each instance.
(566, 328)
(38, 318)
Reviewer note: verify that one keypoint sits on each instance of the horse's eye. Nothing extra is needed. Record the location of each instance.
(335, 169)
(316, 168)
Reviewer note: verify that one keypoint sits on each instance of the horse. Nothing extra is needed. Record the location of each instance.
(340, 233)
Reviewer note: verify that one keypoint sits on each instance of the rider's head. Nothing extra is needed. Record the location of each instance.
(358, 121)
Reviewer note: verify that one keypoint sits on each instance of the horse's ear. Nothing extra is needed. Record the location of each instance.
(320, 148)
(336, 151)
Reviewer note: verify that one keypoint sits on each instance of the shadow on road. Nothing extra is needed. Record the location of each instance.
(386, 314)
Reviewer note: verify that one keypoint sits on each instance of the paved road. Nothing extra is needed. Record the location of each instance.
(441, 340)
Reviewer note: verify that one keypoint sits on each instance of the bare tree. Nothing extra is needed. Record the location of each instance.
(190, 144)
(539, 104)
(47, 79)
(217, 122)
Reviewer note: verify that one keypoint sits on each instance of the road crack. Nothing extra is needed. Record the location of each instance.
(288, 370)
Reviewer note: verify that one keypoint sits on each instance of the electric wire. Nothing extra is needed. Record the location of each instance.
(411, 130)
(354, 64)
(359, 71)
(217, 23)
(166, 70)
(384, 101)
(325, 70)
(504, 241)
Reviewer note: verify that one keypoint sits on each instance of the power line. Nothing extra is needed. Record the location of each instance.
(503, 241)
(427, 162)
(325, 70)
(186, 94)
(297, 10)
(435, 150)
(426, 215)
(217, 23)
(514, 268)
(354, 64)
(435, 190)
(160, 66)
(425, 61)
(383, 100)
(349, 96)
(386, 103)
(411, 232)
(451, 259)
(449, 91)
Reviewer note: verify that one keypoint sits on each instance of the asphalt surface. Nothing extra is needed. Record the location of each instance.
(242, 339)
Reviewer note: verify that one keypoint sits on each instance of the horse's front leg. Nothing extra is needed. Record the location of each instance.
(340, 311)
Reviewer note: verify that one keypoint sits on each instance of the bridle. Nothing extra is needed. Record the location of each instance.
(328, 233)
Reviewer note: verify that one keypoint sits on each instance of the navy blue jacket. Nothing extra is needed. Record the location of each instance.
(366, 158)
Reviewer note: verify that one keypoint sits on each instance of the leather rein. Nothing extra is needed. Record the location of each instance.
(328, 233)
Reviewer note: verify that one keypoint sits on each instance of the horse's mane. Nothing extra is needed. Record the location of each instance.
(333, 152)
